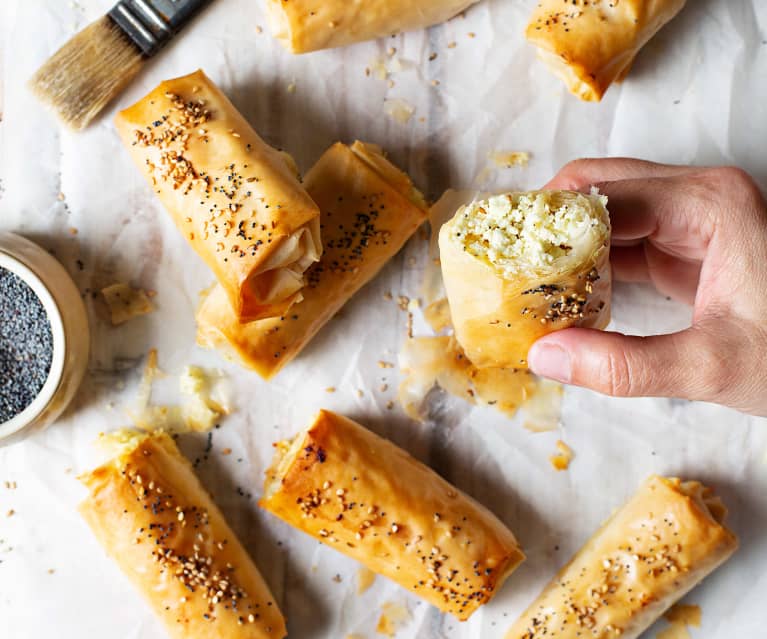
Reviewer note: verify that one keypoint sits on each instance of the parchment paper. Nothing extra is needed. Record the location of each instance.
(697, 94)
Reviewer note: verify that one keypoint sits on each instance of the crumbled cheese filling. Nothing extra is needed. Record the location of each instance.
(530, 232)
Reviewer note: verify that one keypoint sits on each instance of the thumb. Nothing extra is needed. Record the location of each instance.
(683, 364)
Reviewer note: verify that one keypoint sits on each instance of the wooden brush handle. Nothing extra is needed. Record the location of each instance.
(151, 23)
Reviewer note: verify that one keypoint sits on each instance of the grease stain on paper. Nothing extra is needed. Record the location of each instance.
(393, 617)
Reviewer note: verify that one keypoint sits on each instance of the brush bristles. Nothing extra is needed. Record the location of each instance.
(84, 75)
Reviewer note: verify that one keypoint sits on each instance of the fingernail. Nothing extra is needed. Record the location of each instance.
(550, 360)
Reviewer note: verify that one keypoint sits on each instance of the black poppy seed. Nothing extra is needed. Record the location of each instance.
(26, 345)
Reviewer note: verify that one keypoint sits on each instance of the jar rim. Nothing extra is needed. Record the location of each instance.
(56, 372)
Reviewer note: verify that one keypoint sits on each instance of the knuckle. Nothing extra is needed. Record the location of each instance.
(733, 179)
(712, 376)
(574, 171)
(712, 373)
(618, 375)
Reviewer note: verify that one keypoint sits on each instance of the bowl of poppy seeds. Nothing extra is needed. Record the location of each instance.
(43, 338)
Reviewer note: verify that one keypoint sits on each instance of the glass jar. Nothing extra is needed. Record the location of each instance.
(69, 330)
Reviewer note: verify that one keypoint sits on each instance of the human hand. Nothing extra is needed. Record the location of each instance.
(700, 236)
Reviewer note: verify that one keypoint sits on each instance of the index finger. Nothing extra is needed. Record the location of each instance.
(580, 175)
(674, 213)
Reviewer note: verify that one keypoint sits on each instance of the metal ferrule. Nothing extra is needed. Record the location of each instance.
(151, 23)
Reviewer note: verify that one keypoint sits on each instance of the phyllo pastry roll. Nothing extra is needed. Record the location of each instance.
(308, 25)
(590, 44)
(520, 265)
(369, 208)
(153, 517)
(360, 494)
(235, 199)
(648, 555)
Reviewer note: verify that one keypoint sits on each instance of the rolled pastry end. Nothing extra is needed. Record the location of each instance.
(309, 25)
(363, 496)
(517, 266)
(235, 199)
(369, 209)
(648, 555)
(153, 517)
(590, 45)
(580, 84)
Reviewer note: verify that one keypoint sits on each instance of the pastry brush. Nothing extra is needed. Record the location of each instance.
(84, 75)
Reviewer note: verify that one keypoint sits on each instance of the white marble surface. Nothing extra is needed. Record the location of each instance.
(697, 94)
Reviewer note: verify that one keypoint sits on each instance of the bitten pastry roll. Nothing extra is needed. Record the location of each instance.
(520, 265)
(649, 554)
(360, 494)
(369, 208)
(590, 44)
(308, 25)
(153, 517)
(235, 199)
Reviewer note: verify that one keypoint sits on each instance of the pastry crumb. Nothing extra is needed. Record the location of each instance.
(365, 579)
(565, 454)
(508, 159)
(125, 303)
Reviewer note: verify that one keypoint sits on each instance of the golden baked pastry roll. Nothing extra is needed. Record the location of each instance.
(517, 266)
(649, 554)
(589, 44)
(153, 517)
(308, 25)
(369, 499)
(235, 199)
(369, 210)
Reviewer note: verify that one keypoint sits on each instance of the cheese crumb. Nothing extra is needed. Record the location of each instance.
(529, 232)
(398, 110)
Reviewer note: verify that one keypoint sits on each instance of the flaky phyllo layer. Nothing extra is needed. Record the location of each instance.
(517, 266)
(531, 233)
